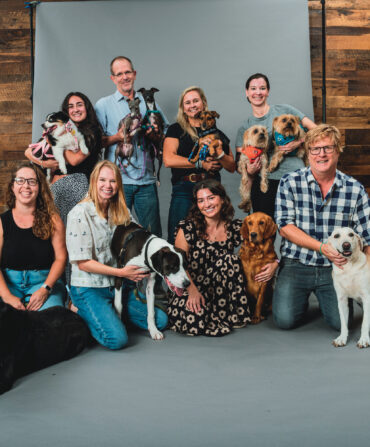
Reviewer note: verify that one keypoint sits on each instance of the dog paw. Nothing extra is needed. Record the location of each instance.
(257, 320)
(364, 342)
(156, 334)
(340, 341)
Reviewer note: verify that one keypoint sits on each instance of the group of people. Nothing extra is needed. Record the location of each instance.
(76, 217)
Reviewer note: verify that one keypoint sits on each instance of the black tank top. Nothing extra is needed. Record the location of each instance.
(22, 250)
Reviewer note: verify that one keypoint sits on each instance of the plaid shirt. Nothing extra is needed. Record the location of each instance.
(299, 202)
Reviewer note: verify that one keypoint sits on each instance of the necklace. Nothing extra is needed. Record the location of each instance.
(217, 233)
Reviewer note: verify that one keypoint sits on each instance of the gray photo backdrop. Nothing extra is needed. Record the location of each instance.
(215, 44)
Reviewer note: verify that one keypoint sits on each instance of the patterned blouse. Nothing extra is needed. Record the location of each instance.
(89, 236)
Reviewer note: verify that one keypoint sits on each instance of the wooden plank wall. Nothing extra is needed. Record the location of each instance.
(348, 82)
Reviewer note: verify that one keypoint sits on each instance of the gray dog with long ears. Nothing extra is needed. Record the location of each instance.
(353, 280)
(130, 124)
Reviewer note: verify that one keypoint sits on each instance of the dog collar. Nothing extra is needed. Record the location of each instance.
(252, 152)
(146, 260)
(282, 141)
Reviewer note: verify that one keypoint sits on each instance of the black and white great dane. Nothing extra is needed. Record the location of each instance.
(132, 245)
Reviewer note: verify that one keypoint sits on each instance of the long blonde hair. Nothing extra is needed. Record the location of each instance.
(118, 212)
(182, 119)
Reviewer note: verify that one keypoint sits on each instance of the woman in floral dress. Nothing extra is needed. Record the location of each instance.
(216, 300)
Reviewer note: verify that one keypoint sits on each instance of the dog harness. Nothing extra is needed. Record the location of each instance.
(147, 116)
(127, 240)
(43, 149)
(146, 260)
(252, 152)
(203, 151)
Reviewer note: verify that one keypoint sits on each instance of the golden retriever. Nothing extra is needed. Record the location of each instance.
(258, 233)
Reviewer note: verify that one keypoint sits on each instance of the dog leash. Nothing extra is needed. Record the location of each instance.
(204, 149)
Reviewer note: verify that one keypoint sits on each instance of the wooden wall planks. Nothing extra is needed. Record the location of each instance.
(347, 65)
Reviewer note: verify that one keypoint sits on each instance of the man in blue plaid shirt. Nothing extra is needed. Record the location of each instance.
(310, 203)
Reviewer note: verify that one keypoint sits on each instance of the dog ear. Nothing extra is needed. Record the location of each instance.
(157, 259)
(153, 89)
(270, 229)
(215, 114)
(244, 231)
(184, 256)
(141, 90)
(274, 121)
(198, 115)
(297, 120)
(360, 243)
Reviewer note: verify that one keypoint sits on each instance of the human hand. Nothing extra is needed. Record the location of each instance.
(290, 146)
(37, 299)
(253, 168)
(50, 164)
(211, 165)
(134, 273)
(195, 301)
(266, 272)
(15, 302)
(333, 255)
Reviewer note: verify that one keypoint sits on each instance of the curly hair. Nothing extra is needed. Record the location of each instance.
(90, 127)
(43, 226)
(119, 214)
(182, 119)
(226, 213)
(323, 131)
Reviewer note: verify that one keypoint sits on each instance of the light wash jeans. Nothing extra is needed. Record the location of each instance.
(22, 283)
(293, 287)
(144, 199)
(95, 306)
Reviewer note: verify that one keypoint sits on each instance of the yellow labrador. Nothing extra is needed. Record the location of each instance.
(352, 281)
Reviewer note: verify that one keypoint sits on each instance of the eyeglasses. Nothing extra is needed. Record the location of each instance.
(326, 149)
(22, 181)
(125, 73)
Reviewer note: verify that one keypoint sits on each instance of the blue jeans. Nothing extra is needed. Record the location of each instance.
(23, 283)
(181, 202)
(95, 306)
(144, 199)
(293, 287)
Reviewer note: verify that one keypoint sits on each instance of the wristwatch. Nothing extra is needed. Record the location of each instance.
(45, 286)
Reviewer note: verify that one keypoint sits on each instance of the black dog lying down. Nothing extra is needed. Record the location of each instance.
(30, 341)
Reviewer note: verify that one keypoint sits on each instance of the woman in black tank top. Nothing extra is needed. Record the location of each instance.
(32, 243)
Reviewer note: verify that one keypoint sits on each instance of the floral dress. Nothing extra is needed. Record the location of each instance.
(218, 274)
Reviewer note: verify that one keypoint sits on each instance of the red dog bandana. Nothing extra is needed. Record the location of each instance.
(252, 153)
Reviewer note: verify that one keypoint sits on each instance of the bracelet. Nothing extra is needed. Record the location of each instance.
(221, 155)
(322, 243)
(199, 164)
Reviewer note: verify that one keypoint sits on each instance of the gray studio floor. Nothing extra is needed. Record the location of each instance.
(259, 386)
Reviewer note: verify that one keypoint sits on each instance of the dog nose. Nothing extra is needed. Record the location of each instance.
(346, 245)
(186, 283)
(253, 235)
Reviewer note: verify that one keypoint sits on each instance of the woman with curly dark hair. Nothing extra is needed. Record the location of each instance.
(216, 301)
(69, 189)
(32, 243)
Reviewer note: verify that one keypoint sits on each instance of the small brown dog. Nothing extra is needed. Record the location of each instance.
(258, 233)
(285, 129)
(208, 131)
(255, 144)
